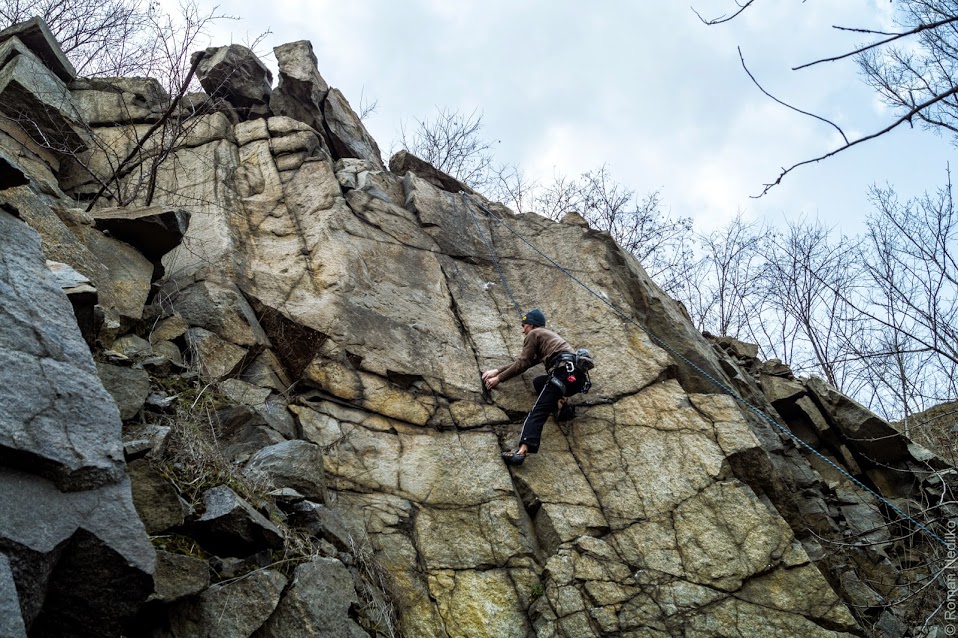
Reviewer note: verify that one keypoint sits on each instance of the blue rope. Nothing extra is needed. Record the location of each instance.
(492, 252)
(725, 388)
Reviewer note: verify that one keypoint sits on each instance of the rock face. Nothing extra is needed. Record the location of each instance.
(304, 416)
(66, 501)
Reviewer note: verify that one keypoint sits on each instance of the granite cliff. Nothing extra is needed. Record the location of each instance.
(240, 397)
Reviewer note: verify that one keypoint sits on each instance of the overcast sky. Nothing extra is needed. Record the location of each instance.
(642, 86)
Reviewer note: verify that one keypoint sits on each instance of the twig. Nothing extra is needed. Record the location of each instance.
(896, 36)
(721, 19)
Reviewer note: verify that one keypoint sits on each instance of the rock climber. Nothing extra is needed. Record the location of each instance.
(563, 378)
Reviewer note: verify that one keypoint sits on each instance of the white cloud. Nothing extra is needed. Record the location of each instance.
(644, 87)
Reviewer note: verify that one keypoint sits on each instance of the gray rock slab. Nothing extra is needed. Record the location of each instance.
(111, 101)
(53, 538)
(68, 278)
(781, 389)
(130, 347)
(129, 272)
(155, 498)
(243, 432)
(404, 162)
(267, 371)
(154, 231)
(862, 429)
(36, 36)
(216, 358)
(236, 609)
(322, 522)
(38, 100)
(301, 89)
(57, 419)
(11, 619)
(222, 309)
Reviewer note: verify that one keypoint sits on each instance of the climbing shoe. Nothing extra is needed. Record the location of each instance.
(513, 458)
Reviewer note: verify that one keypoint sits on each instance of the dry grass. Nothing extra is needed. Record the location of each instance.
(193, 462)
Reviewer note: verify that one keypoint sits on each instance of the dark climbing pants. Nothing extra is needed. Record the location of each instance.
(548, 395)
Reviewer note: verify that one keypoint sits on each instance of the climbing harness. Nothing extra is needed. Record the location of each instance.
(567, 364)
(732, 393)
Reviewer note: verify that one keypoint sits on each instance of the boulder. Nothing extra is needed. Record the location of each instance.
(111, 101)
(737, 348)
(153, 231)
(169, 328)
(779, 389)
(129, 274)
(235, 74)
(405, 162)
(300, 90)
(50, 386)
(318, 603)
(215, 357)
(864, 431)
(322, 522)
(179, 576)
(230, 526)
(11, 619)
(129, 387)
(221, 309)
(295, 464)
(267, 371)
(236, 609)
(83, 297)
(348, 136)
(243, 432)
(52, 538)
(155, 497)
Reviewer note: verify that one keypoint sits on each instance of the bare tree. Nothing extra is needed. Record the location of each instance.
(123, 37)
(801, 311)
(660, 242)
(116, 38)
(912, 297)
(913, 69)
(452, 142)
(722, 295)
(99, 37)
(918, 77)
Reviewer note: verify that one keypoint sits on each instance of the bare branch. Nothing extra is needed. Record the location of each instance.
(798, 110)
(904, 118)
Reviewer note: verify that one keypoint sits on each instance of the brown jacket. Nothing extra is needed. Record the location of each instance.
(538, 346)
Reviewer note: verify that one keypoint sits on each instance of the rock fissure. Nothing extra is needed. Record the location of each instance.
(628, 518)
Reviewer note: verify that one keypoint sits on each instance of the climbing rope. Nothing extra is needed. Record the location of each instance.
(732, 393)
(492, 252)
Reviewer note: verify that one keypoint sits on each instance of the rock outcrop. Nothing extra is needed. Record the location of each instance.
(294, 337)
